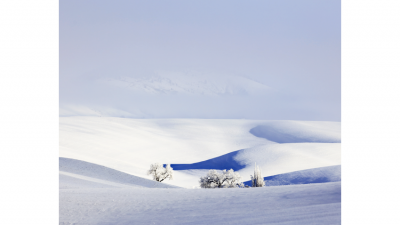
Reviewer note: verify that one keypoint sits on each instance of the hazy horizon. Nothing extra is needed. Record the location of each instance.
(210, 59)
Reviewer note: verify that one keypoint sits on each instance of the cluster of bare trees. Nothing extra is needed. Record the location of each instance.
(226, 179)
(213, 179)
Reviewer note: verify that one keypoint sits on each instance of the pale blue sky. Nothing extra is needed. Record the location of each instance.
(293, 47)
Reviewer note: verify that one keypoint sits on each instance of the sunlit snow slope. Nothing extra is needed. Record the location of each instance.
(195, 145)
(79, 174)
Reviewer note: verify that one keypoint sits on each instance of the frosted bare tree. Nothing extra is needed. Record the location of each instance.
(257, 180)
(226, 179)
(160, 173)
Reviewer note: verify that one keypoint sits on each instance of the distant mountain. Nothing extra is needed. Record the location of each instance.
(165, 95)
(188, 83)
(187, 94)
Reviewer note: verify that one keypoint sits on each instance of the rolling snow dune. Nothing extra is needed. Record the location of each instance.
(79, 174)
(195, 145)
(307, 204)
(298, 132)
(272, 159)
(68, 181)
(284, 158)
(104, 160)
(317, 175)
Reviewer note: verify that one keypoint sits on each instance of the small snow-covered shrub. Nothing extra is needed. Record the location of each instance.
(257, 180)
(159, 172)
(226, 179)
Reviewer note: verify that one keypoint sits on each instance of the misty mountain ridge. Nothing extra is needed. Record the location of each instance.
(192, 83)
(185, 94)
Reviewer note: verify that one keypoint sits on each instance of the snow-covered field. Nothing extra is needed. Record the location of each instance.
(104, 160)
(306, 204)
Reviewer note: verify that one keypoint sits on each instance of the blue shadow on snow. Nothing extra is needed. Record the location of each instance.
(275, 135)
(223, 162)
(316, 175)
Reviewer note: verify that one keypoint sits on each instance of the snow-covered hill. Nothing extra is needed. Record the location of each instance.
(104, 161)
(79, 174)
(195, 145)
(316, 175)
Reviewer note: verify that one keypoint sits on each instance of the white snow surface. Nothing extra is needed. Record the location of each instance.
(131, 145)
(104, 160)
(79, 174)
(308, 204)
